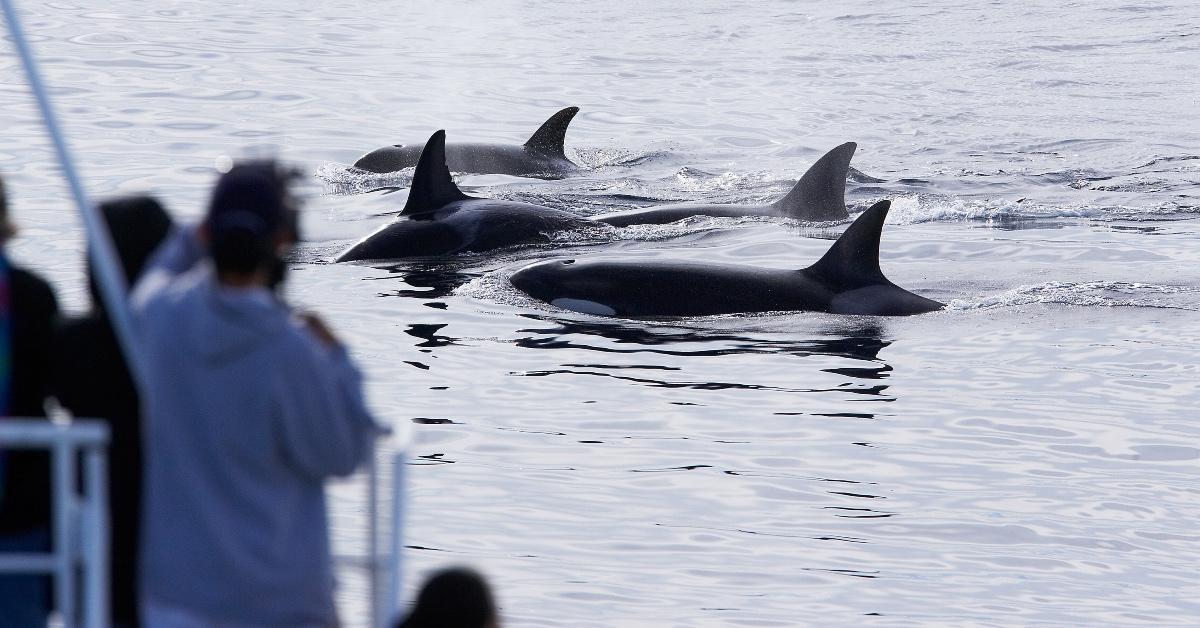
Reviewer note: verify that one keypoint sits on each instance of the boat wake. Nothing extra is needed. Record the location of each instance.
(1089, 294)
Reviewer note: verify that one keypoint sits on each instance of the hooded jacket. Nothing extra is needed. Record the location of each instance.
(245, 415)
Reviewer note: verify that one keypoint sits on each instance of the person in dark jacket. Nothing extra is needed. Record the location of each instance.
(92, 380)
(455, 597)
(28, 310)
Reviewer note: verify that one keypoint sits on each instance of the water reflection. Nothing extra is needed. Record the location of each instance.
(428, 333)
(859, 341)
(1141, 229)
(437, 278)
(1024, 223)
(855, 342)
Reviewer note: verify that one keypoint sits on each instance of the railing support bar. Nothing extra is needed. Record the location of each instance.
(96, 548)
(396, 569)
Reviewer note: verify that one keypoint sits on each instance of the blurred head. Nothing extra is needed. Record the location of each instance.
(457, 597)
(251, 219)
(138, 224)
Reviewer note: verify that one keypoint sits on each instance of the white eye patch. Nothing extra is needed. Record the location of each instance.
(584, 306)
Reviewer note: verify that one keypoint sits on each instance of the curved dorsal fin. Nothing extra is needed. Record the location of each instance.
(550, 136)
(821, 192)
(853, 261)
(432, 186)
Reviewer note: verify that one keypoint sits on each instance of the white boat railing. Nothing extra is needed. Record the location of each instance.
(91, 436)
(382, 558)
(391, 578)
(78, 560)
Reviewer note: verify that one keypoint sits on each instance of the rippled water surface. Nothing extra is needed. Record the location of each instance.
(1027, 456)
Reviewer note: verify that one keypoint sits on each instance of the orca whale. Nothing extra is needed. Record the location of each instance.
(438, 219)
(847, 280)
(540, 157)
(820, 195)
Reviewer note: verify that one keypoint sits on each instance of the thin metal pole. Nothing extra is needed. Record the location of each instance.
(96, 552)
(64, 525)
(374, 563)
(396, 568)
(104, 260)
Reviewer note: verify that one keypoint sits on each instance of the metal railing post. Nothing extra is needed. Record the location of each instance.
(64, 524)
(96, 541)
(79, 523)
(374, 565)
(396, 567)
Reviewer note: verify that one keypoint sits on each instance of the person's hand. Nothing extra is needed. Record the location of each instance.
(318, 328)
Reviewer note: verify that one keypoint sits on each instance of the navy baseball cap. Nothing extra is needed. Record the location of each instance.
(253, 198)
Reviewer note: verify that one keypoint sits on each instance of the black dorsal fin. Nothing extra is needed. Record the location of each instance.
(821, 192)
(549, 137)
(853, 261)
(432, 186)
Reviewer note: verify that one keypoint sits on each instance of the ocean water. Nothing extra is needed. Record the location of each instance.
(1029, 456)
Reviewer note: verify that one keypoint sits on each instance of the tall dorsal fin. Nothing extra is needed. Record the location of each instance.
(549, 137)
(821, 192)
(432, 186)
(853, 261)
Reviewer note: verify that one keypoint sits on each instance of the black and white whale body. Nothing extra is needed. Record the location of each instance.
(847, 280)
(541, 157)
(439, 219)
(820, 195)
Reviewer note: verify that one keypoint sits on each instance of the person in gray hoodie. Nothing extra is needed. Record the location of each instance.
(247, 410)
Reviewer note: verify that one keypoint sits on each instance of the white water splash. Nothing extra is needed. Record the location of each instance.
(597, 234)
(688, 226)
(1092, 293)
(340, 179)
(695, 180)
(907, 210)
(495, 288)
